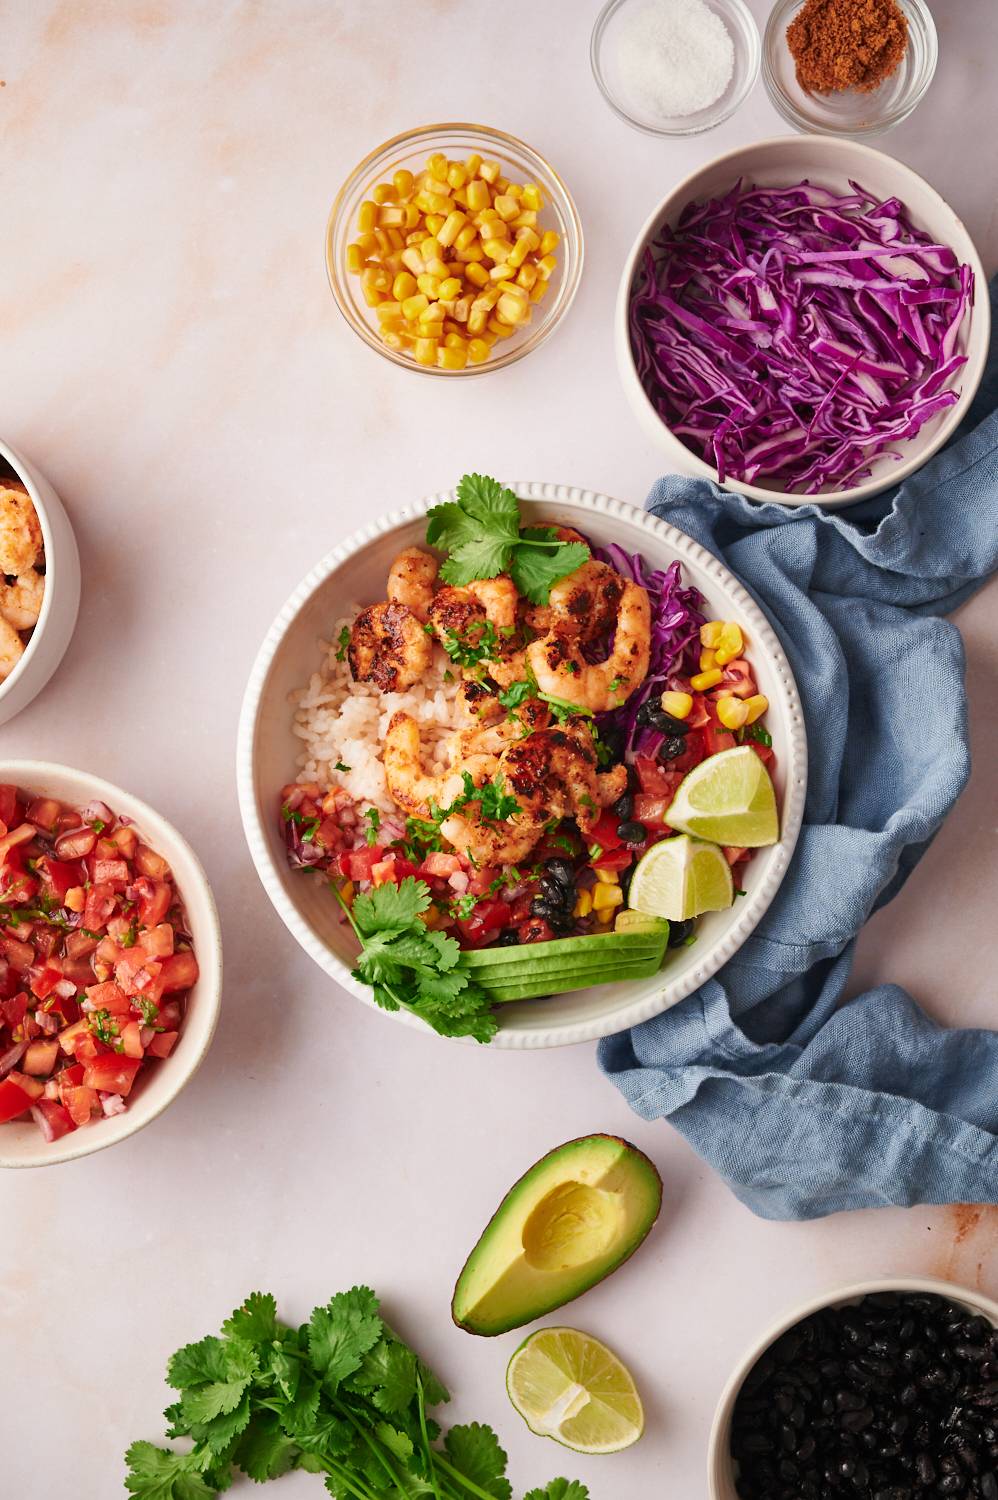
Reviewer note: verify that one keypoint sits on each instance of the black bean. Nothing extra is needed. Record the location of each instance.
(670, 748)
(631, 833)
(988, 1486)
(561, 871)
(624, 806)
(509, 938)
(679, 932)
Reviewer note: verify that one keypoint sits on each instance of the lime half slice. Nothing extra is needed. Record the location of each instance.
(728, 799)
(570, 1387)
(681, 878)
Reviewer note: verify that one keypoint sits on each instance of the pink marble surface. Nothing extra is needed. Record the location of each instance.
(172, 359)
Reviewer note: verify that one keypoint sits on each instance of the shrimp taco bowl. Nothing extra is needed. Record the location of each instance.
(459, 743)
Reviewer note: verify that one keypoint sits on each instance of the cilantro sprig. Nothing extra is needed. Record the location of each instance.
(481, 533)
(411, 968)
(518, 692)
(341, 1396)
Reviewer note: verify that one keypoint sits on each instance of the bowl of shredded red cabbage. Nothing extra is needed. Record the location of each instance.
(805, 340)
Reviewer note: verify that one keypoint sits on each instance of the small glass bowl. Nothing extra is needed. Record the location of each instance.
(520, 163)
(744, 35)
(849, 112)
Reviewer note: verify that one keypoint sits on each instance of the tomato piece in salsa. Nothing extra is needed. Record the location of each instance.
(96, 962)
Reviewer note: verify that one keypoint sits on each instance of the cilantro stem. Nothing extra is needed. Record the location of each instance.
(462, 1479)
(377, 1449)
(352, 1482)
(421, 1400)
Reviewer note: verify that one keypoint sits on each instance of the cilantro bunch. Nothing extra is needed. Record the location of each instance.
(340, 1396)
(409, 966)
(481, 533)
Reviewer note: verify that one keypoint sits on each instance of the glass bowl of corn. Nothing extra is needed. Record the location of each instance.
(454, 249)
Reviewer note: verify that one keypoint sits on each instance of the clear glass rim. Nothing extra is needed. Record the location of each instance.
(782, 102)
(406, 140)
(667, 132)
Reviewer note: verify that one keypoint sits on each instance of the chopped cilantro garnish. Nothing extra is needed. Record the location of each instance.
(344, 641)
(104, 1027)
(339, 766)
(758, 733)
(476, 643)
(373, 818)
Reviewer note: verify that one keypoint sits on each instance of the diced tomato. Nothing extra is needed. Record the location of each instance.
(87, 1047)
(357, 864)
(16, 885)
(169, 1014)
(99, 907)
(535, 930)
(485, 923)
(764, 752)
(63, 874)
(130, 1040)
(13, 1101)
(520, 908)
(162, 1043)
(392, 869)
(73, 1035)
(13, 1009)
(613, 859)
(33, 1087)
(19, 955)
(179, 971)
(109, 996)
(480, 881)
(52, 1119)
(8, 804)
(80, 1103)
(655, 780)
(154, 903)
(114, 871)
(39, 1060)
(71, 1077)
(651, 810)
(125, 840)
(45, 940)
(605, 832)
(148, 862)
(692, 754)
(78, 945)
(43, 983)
(716, 739)
(22, 834)
(138, 974)
(112, 1073)
(441, 865)
(44, 813)
(734, 855)
(158, 941)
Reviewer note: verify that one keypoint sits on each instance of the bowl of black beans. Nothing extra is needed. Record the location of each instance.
(883, 1391)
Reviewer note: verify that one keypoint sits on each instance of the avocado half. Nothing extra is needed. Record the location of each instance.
(577, 1215)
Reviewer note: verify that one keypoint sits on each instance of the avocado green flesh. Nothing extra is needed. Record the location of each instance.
(575, 1216)
(633, 922)
(591, 945)
(568, 965)
(528, 988)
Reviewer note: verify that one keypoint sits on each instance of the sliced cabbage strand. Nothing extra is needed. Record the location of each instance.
(790, 336)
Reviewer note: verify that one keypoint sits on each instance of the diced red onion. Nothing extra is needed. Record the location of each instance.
(459, 881)
(112, 1104)
(42, 1121)
(12, 1057)
(98, 812)
(47, 1021)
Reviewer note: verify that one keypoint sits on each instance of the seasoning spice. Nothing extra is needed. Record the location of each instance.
(847, 44)
(674, 57)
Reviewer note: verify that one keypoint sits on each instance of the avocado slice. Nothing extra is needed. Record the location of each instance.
(634, 922)
(571, 1220)
(601, 958)
(528, 987)
(617, 943)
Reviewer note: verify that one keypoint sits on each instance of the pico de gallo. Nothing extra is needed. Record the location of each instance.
(96, 961)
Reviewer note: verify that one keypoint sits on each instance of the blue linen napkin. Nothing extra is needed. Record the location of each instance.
(806, 1106)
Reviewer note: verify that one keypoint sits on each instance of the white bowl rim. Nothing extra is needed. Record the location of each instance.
(683, 547)
(971, 374)
(935, 1285)
(24, 476)
(85, 1142)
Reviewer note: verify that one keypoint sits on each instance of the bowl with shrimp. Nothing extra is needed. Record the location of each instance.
(473, 767)
(39, 582)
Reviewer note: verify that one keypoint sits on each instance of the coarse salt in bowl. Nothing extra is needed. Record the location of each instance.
(675, 67)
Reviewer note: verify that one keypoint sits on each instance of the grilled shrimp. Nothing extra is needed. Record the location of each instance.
(484, 599)
(410, 786)
(560, 668)
(553, 774)
(489, 843)
(389, 647)
(495, 730)
(21, 601)
(411, 581)
(11, 649)
(20, 530)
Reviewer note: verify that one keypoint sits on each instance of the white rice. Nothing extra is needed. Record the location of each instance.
(343, 721)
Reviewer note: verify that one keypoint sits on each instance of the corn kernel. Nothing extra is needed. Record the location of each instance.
(473, 163)
(489, 171)
(476, 275)
(404, 286)
(391, 216)
(457, 174)
(526, 277)
(434, 313)
(606, 897)
(501, 271)
(478, 351)
(510, 309)
(506, 207)
(466, 237)
(413, 261)
(539, 290)
(437, 166)
(389, 310)
(677, 704)
(546, 266)
(346, 890)
(474, 254)
(519, 253)
(703, 681)
(525, 219)
(451, 226)
(367, 216)
(731, 643)
(452, 359)
(383, 240)
(413, 306)
(533, 197)
(431, 917)
(355, 259)
(500, 329)
(607, 877)
(455, 268)
(402, 182)
(487, 299)
(371, 296)
(430, 247)
(393, 263)
(550, 240)
(755, 706)
(478, 320)
(478, 196)
(710, 633)
(368, 243)
(424, 351)
(437, 267)
(583, 904)
(732, 712)
(708, 660)
(496, 249)
(449, 288)
(428, 285)
(462, 308)
(384, 193)
(411, 216)
(434, 223)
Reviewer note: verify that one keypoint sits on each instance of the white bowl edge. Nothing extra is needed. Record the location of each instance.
(660, 994)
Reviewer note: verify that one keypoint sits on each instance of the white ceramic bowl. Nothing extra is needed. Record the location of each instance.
(782, 162)
(720, 1472)
(355, 572)
(61, 600)
(21, 1143)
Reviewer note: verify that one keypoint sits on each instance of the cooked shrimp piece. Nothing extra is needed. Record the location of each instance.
(553, 774)
(389, 647)
(11, 649)
(561, 669)
(21, 601)
(589, 599)
(20, 529)
(491, 843)
(495, 731)
(492, 600)
(412, 787)
(411, 581)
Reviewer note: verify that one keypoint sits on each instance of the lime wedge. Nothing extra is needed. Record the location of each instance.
(681, 878)
(570, 1387)
(728, 799)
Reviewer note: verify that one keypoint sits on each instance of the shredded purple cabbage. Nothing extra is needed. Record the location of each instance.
(792, 335)
(676, 618)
